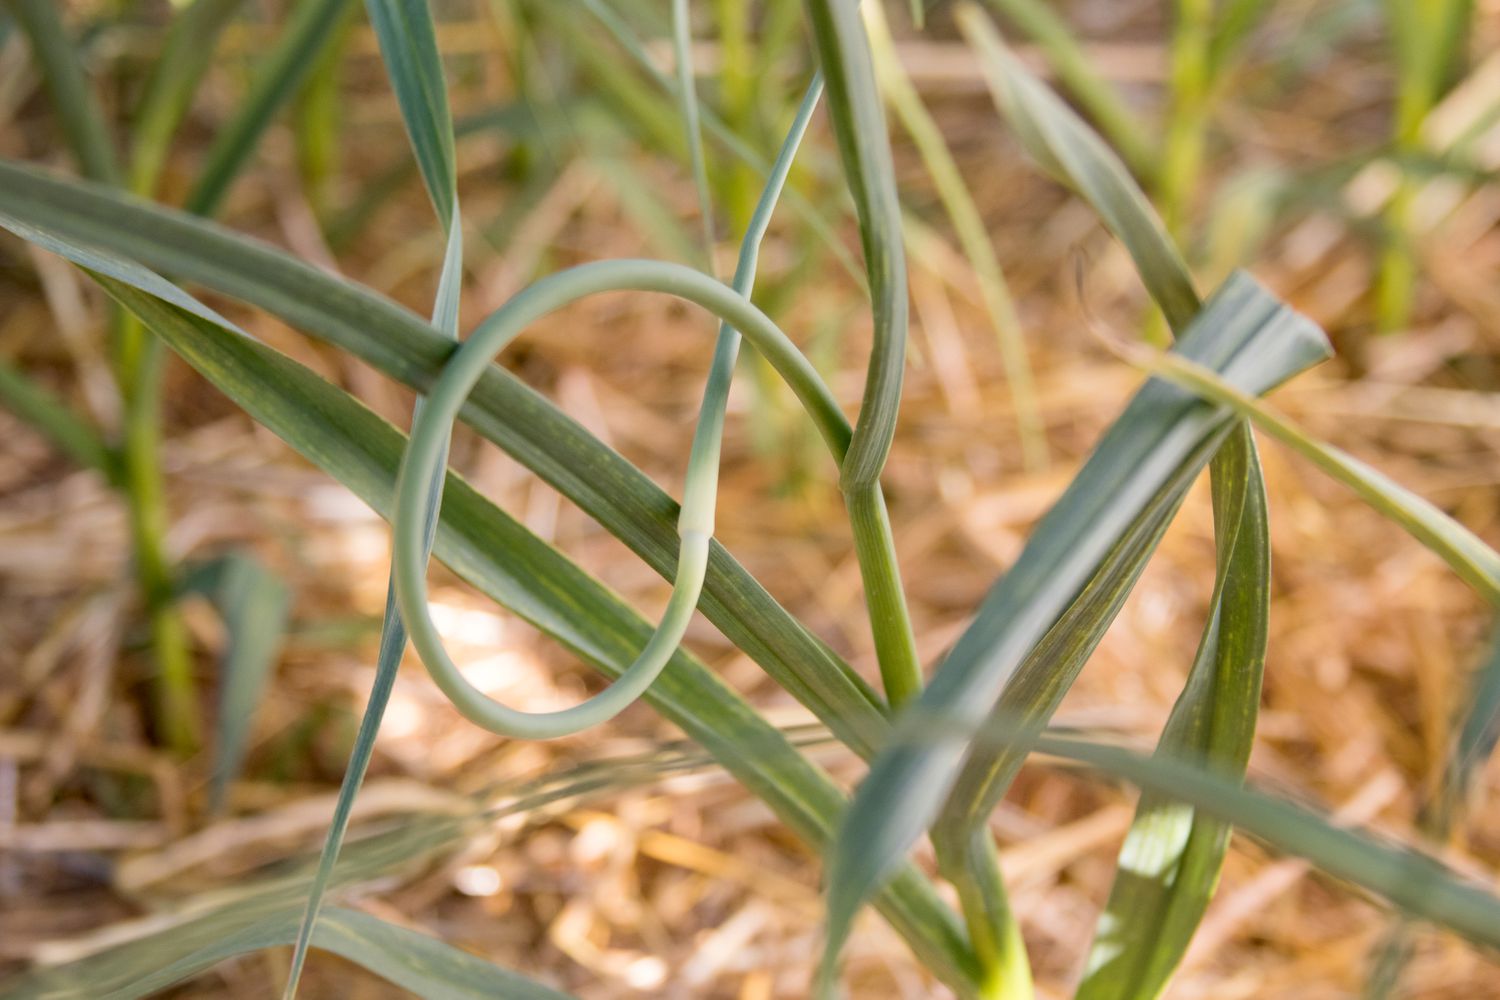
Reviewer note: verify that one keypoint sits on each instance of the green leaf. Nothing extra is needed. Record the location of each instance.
(45, 412)
(1420, 885)
(407, 844)
(408, 44)
(1075, 70)
(313, 26)
(253, 604)
(1158, 443)
(1150, 920)
(1480, 727)
(1059, 140)
(502, 409)
(505, 411)
(62, 74)
(1469, 557)
(503, 560)
(414, 961)
(186, 56)
(1169, 864)
(1037, 688)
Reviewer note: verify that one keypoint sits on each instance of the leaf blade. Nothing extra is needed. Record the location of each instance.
(542, 586)
(1172, 854)
(502, 409)
(254, 605)
(1245, 332)
(1054, 134)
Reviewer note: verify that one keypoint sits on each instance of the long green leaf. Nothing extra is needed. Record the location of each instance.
(408, 44)
(1479, 728)
(313, 26)
(1075, 70)
(62, 73)
(254, 605)
(1245, 334)
(1418, 884)
(501, 408)
(1472, 742)
(70, 433)
(414, 961)
(503, 560)
(1060, 141)
(1215, 716)
(1469, 557)
(1171, 858)
(1422, 886)
(406, 844)
(1036, 690)
(186, 56)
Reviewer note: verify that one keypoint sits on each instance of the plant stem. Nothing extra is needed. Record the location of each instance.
(138, 371)
(993, 928)
(1182, 160)
(874, 546)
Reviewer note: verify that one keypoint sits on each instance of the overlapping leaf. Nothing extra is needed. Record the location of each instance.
(1164, 435)
(1170, 862)
(408, 44)
(1214, 721)
(501, 408)
(509, 564)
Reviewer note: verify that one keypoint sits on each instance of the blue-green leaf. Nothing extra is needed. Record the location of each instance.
(253, 604)
(1254, 342)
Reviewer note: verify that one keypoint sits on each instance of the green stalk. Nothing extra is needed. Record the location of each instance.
(858, 118)
(864, 146)
(875, 548)
(1182, 160)
(1005, 968)
(139, 371)
(139, 363)
(687, 99)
